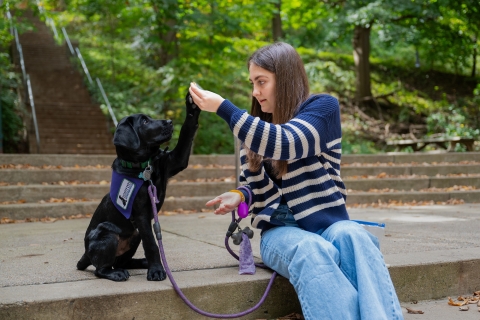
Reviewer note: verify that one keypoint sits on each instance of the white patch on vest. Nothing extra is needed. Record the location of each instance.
(124, 193)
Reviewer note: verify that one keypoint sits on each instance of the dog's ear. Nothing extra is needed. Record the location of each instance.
(126, 135)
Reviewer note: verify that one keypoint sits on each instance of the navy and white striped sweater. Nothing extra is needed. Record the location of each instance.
(311, 142)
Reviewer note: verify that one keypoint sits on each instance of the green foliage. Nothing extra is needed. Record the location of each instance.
(11, 113)
(456, 120)
(12, 123)
(146, 52)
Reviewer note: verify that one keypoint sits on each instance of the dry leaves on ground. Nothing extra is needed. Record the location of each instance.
(210, 166)
(463, 302)
(408, 164)
(222, 179)
(50, 167)
(389, 190)
(395, 203)
(414, 311)
(384, 175)
(20, 201)
(181, 211)
(66, 200)
(45, 219)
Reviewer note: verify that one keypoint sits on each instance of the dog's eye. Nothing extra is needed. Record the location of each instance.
(145, 121)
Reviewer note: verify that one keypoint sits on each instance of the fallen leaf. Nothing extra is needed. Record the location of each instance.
(464, 308)
(414, 311)
(454, 303)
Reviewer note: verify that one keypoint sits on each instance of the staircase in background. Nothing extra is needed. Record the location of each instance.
(36, 186)
(68, 121)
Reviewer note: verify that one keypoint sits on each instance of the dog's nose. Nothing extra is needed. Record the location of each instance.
(169, 122)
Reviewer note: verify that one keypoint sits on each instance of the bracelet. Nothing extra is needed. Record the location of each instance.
(250, 198)
(240, 193)
(242, 208)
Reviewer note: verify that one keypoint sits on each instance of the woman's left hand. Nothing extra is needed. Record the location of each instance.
(227, 201)
(205, 100)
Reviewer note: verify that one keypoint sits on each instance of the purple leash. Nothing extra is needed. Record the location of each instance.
(152, 191)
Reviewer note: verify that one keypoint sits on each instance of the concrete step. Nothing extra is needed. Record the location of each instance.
(72, 206)
(365, 161)
(70, 188)
(53, 175)
(69, 149)
(383, 187)
(431, 253)
(351, 175)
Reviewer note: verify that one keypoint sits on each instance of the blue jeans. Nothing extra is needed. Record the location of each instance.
(339, 274)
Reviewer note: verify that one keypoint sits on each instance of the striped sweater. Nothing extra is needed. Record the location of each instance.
(311, 142)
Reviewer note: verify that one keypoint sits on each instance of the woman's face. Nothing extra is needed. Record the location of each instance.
(263, 82)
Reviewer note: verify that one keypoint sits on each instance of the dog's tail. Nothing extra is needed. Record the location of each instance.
(83, 263)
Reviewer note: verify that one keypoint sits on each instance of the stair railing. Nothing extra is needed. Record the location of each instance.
(76, 53)
(26, 78)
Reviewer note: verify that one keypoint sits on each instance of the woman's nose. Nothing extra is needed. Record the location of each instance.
(255, 92)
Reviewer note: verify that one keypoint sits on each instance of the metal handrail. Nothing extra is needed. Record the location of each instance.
(34, 114)
(26, 80)
(54, 28)
(108, 102)
(84, 65)
(67, 39)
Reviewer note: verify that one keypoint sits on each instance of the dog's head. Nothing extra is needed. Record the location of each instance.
(138, 136)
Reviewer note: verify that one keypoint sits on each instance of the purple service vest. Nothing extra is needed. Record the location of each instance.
(123, 190)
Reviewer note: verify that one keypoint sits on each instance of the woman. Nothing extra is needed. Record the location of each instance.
(290, 172)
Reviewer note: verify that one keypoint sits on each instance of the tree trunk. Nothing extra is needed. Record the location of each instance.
(474, 67)
(169, 40)
(361, 54)
(277, 30)
(166, 21)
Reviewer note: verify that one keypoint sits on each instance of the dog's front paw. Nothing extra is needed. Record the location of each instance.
(192, 108)
(114, 275)
(156, 273)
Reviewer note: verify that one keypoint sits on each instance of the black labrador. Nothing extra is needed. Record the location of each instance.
(124, 216)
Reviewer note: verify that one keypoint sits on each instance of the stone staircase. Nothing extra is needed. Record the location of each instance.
(68, 121)
(38, 186)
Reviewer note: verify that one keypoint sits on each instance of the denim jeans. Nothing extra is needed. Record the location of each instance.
(339, 274)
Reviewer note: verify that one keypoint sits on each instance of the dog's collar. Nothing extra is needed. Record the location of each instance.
(141, 165)
(134, 165)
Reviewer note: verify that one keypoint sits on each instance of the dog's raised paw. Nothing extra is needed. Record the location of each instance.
(156, 274)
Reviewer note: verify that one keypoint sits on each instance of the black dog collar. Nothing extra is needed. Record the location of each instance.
(134, 165)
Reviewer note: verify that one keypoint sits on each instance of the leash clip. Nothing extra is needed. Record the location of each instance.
(146, 174)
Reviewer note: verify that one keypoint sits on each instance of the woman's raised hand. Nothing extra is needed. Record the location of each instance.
(205, 100)
(227, 201)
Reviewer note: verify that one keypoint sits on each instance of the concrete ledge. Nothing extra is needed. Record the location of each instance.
(471, 196)
(216, 291)
(60, 209)
(436, 275)
(431, 252)
(429, 170)
(229, 159)
(84, 175)
(37, 192)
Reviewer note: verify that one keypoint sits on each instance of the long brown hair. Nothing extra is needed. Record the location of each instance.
(291, 90)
